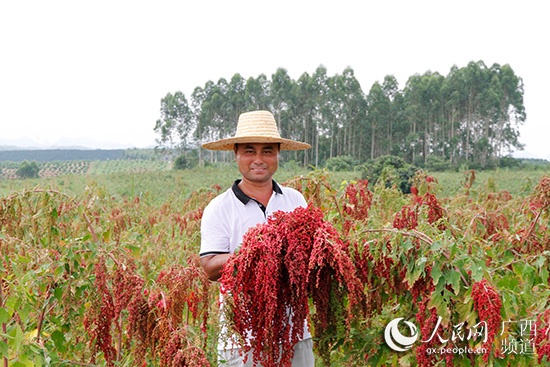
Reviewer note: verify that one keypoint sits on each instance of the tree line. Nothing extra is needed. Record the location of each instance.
(470, 115)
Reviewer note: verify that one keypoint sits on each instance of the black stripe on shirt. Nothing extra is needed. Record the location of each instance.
(209, 253)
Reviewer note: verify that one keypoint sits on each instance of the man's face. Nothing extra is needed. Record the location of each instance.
(257, 162)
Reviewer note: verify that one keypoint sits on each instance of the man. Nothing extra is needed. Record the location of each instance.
(250, 201)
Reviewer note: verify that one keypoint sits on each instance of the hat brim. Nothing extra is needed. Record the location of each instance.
(229, 143)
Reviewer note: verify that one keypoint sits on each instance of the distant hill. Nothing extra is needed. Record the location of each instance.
(48, 155)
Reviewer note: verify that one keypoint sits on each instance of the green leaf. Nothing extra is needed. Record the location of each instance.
(453, 278)
(436, 246)
(413, 275)
(4, 315)
(436, 273)
(544, 275)
(477, 271)
(509, 281)
(541, 260)
(58, 293)
(59, 340)
(4, 348)
(518, 269)
(24, 312)
(466, 312)
(529, 277)
(54, 214)
(440, 302)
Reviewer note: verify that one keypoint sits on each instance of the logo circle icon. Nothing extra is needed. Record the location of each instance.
(396, 340)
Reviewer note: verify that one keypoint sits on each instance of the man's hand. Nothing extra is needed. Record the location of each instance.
(213, 265)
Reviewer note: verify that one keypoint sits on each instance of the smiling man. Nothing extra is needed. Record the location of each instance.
(250, 201)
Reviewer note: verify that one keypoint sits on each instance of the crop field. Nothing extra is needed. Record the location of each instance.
(8, 170)
(101, 269)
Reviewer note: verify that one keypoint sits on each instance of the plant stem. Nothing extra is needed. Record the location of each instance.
(4, 327)
(515, 261)
(532, 228)
(421, 236)
(43, 313)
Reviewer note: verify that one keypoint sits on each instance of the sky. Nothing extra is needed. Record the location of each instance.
(93, 73)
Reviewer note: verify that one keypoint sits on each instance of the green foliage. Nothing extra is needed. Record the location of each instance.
(472, 114)
(292, 165)
(186, 161)
(437, 164)
(341, 163)
(53, 243)
(28, 170)
(508, 162)
(534, 164)
(391, 171)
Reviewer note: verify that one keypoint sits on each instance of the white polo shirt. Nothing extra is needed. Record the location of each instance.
(228, 216)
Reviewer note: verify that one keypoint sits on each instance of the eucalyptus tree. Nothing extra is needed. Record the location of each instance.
(214, 113)
(455, 100)
(282, 97)
(390, 88)
(235, 98)
(512, 110)
(424, 111)
(175, 125)
(307, 114)
(378, 112)
(332, 105)
(354, 113)
(256, 93)
(415, 114)
(433, 128)
(475, 78)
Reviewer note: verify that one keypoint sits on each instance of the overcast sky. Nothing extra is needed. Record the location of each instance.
(75, 71)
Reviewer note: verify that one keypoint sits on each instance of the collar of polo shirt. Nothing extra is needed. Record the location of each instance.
(243, 198)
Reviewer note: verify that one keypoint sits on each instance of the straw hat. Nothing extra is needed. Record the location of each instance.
(256, 127)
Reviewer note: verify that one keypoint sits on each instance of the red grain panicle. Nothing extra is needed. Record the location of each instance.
(435, 211)
(423, 287)
(488, 305)
(407, 218)
(280, 266)
(421, 292)
(359, 200)
(542, 337)
(428, 324)
(179, 352)
(127, 285)
(99, 320)
(542, 192)
(138, 323)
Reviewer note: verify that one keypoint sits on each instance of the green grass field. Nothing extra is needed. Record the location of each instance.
(162, 183)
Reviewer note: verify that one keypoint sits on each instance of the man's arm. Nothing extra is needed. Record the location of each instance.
(213, 265)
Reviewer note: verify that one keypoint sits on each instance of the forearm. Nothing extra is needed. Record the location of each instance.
(213, 265)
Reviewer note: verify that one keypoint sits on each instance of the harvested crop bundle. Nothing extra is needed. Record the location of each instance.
(283, 264)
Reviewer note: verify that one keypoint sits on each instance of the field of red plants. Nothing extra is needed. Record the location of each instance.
(94, 281)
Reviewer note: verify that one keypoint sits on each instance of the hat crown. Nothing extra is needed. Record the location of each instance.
(256, 127)
(257, 123)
